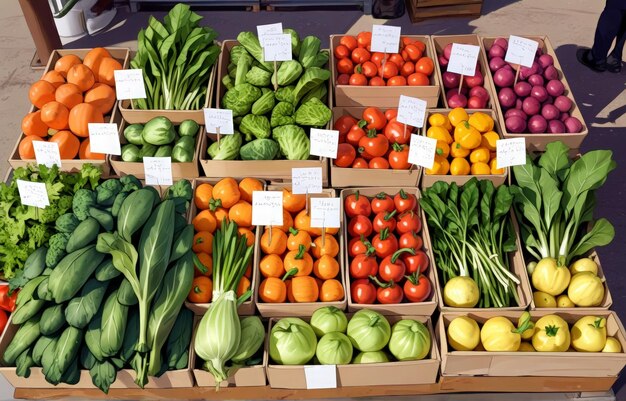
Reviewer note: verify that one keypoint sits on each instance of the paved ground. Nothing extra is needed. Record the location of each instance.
(568, 23)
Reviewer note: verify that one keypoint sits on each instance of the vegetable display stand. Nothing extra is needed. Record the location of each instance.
(354, 177)
(414, 373)
(440, 42)
(423, 308)
(599, 365)
(180, 170)
(285, 309)
(421, 10)
(351, 96)
(536, 142)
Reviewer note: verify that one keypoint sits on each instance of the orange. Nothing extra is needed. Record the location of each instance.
(278, 245)
(326, 267)
(65, 63)
(331, 291)
(55, 115)
(32, 124)
(248, 234)
(26, 149)
(81, 76)
(68, 144)
(220, 215)
(40, 93)
(85, 153)
(203, 242)
(272, 266)
(94, 57)
(54, 77)
(207, 262)
(105, 70)
(81, 115)
(202, 196)
(293, 203)
(241, 213)
(102, 96)
(243, 286)
(226, 193)
(287, 222)
(247, 186)
(205, 221)
(69, 95)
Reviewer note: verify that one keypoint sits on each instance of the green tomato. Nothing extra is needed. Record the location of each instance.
(612, 345)
(586, 289)
(551, 334)
(369, 330)
(328, 319)
(499, 334)
(292, 342)
(589, 334)
(463, 334)
(550, 277)
(370, 357)
(334, 349)
(410, 340)
(461, 292)
(584, 265)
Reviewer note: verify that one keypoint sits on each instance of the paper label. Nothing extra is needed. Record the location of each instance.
(411, 111)
(521, 51)
(219, 118)
(324, 142)
(104, 138)
(320, 376)
(268, 29)
(306, 180)
(158, 170)
(510, 152)
(267, 208)
(47, 153)
(325, 212)
(33, 193)
(422, 151)
(277, 47)
(129, 84)
(463, 59)
(385, 38)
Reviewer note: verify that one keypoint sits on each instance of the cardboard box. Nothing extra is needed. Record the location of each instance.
(176, 116)
(441, 41)
(516, 264)
(425, 308)
(246, 308)
(429, 180)
(384, 96)
(554, 364)
(538, 142)
(74, 165)
(187, 170)
(349, 177)
(287, 309)
(420, 10)
(373, 374)
(125, 377)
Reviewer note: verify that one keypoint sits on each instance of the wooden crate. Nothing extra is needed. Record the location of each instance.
(420, 10)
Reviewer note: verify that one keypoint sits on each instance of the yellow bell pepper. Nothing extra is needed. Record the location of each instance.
(479, 155)
(443, 149)
(467, 136)
(456, 150)
(445, 166)
(550, 276)
(440, 166)
(457, 115)
(493, 164)
(481, 121)
(489, 140)
(439, 120)
(480, 168)
(440, 134)
(551, 334)
(459, 166)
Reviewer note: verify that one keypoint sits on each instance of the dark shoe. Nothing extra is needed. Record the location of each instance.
(613, 65)
(585, 58)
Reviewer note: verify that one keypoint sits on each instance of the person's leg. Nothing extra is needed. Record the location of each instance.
(614, 60)
(608, 27)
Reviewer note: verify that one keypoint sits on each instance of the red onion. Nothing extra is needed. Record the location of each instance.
(573, 125)
(443, 62)
(479, 91)
(563, 103)
(531, 106)
(496, 51)
(475, 102)
(550, 112)
(522, 89)
(555, 87)
(496, 63)
(503, 77)
(537, 124)
(515, 124)
(550, 73)
(545, 60)
(539, 92)
(535, 80)
(502, 42)
(450, 80)
(515, 112)
(556, 127)
(507, 97)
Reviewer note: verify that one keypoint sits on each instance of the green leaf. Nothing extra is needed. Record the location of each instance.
(551, 196)
(123, 253)
(602, 233)
(81, 310)
(555, 159)
(103, 374)
(586, 173)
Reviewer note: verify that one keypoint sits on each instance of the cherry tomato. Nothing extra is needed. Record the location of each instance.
(345, 155)
(374, 144)
(345, 66)
(425, 65)
(360, 55)
(375, 118)
(358, 80)
(356, 133)
(420, 45)
(379, 163)
(363, 266)
(409, 221)
(377, 59)
(341, 51)
(385, 244)
(407, 69)
(349, 42)
(406, 40)
(377, 81)
(369, 69)
(343, 79)
(357, 204)
(390, 114)
(360, 162)
(359, 246)
(384, 220)
(344, 123)
(418, 79)
(399, 157)
(363, 292)
(390, 294)
(405, 55)
(404, 202)
(410, 240)
(392, 268)
(390, 69)
(413, 52)
(397, 132)
(382, 203)
(415, 263)
(360, 225)
(417, 288)
(364, 39)
(398, 80)
(397, 60)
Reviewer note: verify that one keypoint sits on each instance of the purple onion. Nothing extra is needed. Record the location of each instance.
(457, 100)
(507, 97)
(475, 102)
(573, 125)
(496, 63)
(496, 51)
(537, 124)
(550, 73)
(563, 117)
(515, 124)
(539, 92)
(550, 112)
(515, 112)
(451, 80)
(443, 61)
(531, 106)
(519, 104)
(535, 80)
(556, 127)
(563, 103)
(479, 91)
(545, 60)
(555, 87)
(502, 42)
(522, 89)
(504, 78)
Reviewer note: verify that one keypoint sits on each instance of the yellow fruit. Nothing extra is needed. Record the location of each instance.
(480, 168)
(457, 115)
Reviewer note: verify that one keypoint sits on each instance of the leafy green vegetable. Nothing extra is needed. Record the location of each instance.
(241, 98)
(158, 131)
(228, 148)
(250, 41)
(288, 72)
(282, 114)
(311, 78)
(313, 113)
(56, 248)
(309, 50)
(295, 41)
(286, 94)
(259, 77)
(259, 149)
(293, 142)
(259, 126)
(319, 92)
(264, 104)
(132, 133)
(188, 128)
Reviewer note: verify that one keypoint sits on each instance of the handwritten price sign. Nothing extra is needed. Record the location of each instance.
(422, 151)
(267, 208)
(463, 59)
(129, 84)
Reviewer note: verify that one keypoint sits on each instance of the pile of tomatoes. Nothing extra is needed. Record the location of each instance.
(376, 141)
(357, 65)
(385, 249)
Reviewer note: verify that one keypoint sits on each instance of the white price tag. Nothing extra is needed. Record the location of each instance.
(320, 376)
(219, 118)
(521, 51)
(277, 47)
(267, 208)
(510, 152)
(324, 143)
(33, 193)
(269, 29)
(129, 84)
(325, 212)
(422, 151)
(104, 138)
(158, 170)
(411, 111)
(385, 38)
(47, 153)
(463, 59)
(306, 180)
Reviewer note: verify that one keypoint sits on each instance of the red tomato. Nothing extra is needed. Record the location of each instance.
(7, 302)
(341, 51)
(405, 55)
(358, 80)
(413, 52)
(345, 155)
(360, 225)
(410, 240)
(392, 268)
(377, 81)
(359, 246)
(425, 65)
(384, 220)
(360, 55)
(420, 45)
(375, 118)
(390, 114)
(377, 59)
(363, 292)
(345, 66)
(398, 80)
(356, 133)
(357, 204)
(418, 79)
(417, 288)
(363, 266)
(390, 294)
(369, 69)
(409, 221)
(360, 162)
(3, 320)
(374, 144)
(406, 40)
(416, 263)
(397, 60)
(349, 42)
(344, 123)
(397, 132)
(364, 39)
(399, 157)
(390, 70)
(382, 203)
(404, 202)
(379, 163)
(385, 244)
(343, 79)
(407, 69)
